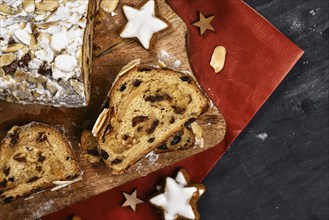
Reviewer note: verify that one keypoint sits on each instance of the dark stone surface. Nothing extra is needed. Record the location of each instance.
(278, 167)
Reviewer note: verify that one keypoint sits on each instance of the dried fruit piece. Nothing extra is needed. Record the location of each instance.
(218, 59)
(7, 59)
(21, 76)
(109, 5)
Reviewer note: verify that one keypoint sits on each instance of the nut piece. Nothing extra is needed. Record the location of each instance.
(197, 131)
(28, 5)
(7, 59)
(109, 5)
(2, 72)
(13, 48)
(48, 5)
(51, 88)
(99, 122)
(6, 10)
(129, 66)
(218, 59)
(23, 36)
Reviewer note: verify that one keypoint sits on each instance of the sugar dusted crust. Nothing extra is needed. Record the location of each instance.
(45, 51)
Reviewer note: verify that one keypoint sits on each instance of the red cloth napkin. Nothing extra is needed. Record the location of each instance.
(258, 58)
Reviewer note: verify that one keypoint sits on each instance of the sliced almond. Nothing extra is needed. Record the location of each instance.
(23, 36)
(197, 131)
(28, 5)
(33, 44)
(6, 10)
(46, 25)
(39, 12)
(109, 5)
(218, 59)
(48, 5)
(129, 66)
(7, 59)
(13, 48)
(2, 72)
(23, 52)
(100, 122)
(51, 88)
(44, 35)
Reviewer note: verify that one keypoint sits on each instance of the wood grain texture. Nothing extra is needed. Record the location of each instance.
(111, 54)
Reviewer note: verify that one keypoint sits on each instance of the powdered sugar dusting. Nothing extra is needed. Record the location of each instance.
(164, 55)
(43, 209)
(262, 136)
(168, 59)
(139, 167)
(152, 157)
(177, 64)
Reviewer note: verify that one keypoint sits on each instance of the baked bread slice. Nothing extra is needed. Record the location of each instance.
(147, 106)
(46, 51)
(31, 158)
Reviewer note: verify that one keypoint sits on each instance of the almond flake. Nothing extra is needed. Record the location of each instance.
(29, 5)
(109, 5)
(6, 10)
(23, 36)
(7, 59)
(13, 48)
(48, 5)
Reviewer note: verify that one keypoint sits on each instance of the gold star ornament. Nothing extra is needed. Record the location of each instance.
(132, 200)
(204, 23)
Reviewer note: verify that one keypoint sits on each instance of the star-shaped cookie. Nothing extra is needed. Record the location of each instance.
(132, 200)
(143, 23)
(178, 198)
(204, 23)
(183, 178)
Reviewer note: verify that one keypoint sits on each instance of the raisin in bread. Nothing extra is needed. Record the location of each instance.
(182, 140)
(147, 106)
(88, 145)
(31, 158)
(46, 51)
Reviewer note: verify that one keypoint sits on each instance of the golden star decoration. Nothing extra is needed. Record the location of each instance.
(131, 200)
(204, 23)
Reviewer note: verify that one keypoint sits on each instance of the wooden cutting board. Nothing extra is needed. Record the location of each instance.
(110, 54)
